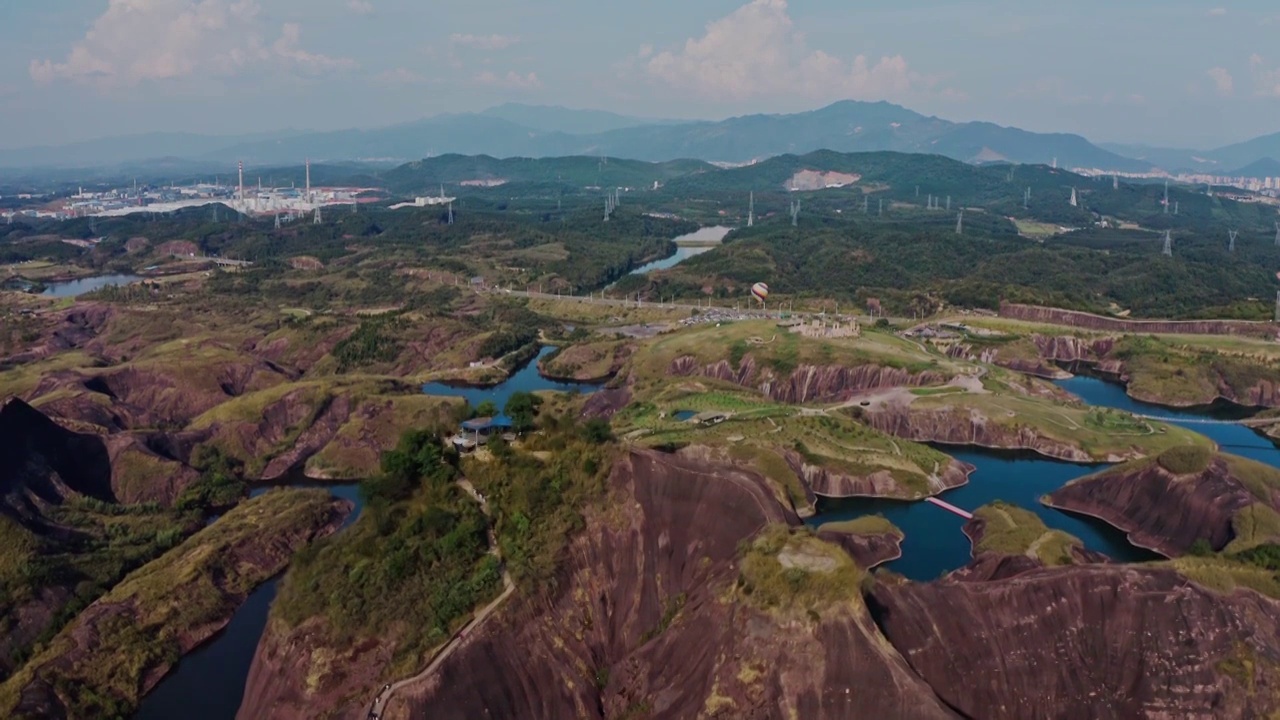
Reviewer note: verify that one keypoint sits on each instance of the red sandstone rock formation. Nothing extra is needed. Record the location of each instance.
(959, 426)
(1160, 510)
(669, 538)
(1091, 642)
(882, 484)
(808, 383)
(1071, 318)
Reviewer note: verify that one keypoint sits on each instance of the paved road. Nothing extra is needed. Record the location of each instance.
(384, 695)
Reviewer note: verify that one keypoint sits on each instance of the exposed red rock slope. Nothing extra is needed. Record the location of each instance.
(1056, 316)
(1161, 510)
(1092, 642)
(808, 383)
(834, 484)
(665, 545)
(967, 426)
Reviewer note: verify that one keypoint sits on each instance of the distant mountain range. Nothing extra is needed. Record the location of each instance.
(540, 131)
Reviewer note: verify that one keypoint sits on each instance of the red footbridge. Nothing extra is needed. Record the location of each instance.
(950, 508)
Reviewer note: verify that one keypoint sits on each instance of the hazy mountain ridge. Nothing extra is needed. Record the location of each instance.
(515, 130)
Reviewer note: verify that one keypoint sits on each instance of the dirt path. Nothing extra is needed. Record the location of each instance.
(384, 695)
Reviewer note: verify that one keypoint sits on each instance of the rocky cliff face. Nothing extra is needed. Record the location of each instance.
(1056, 316)
(808, 383)
(40, 462)
(1161, 510)
(957, 426)
(867, 550)
(604, 651)
(831, 483)
(642, 621)
(1088, 642)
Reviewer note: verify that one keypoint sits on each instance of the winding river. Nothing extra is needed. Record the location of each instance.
(934, 544)
(695, 243)
(208, 684)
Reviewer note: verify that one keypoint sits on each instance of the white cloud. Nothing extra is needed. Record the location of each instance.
(1266, 80)
(399, 76)
(756, 51)
(483, 42)
(288, 48)
(360, 7)
(1217, 12)
(1222, 81)
(512, 80)
(136, 41)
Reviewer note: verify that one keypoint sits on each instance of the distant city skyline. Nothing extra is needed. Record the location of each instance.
(1172, 73)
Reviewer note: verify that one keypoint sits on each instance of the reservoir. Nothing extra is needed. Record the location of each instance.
(526, 378)
(695, 243)
(72, 288)
(934, 544)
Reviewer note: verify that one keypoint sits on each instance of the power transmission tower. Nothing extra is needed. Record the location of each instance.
(317, 220)
(1233, 234)
(450, 212)
(277, 221)
(1168, 244)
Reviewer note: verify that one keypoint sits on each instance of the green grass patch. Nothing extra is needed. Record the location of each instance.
(1185, 460)
(865, 525)
(1011, 530)
(929, 392)
(790, 570)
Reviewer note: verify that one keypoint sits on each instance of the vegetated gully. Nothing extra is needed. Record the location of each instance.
(216, 672)
(933, 543)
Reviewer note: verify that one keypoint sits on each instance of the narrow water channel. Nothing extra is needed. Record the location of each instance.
(687, 246)
(934, 544)
(208, 684)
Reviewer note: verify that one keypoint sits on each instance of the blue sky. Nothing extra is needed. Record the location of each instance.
(1164, 72)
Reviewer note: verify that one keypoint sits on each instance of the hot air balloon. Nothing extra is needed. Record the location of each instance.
(760, 291)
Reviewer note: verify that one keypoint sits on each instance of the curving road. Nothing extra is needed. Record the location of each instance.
(384, 695)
